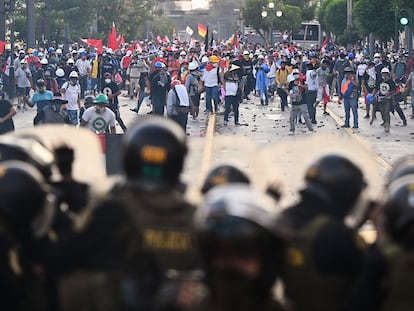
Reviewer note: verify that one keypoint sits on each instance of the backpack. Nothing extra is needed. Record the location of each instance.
(346, 88)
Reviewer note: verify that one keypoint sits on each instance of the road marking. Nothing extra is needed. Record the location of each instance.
(380, 160)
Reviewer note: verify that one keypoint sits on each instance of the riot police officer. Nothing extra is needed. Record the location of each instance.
(142, 230)
(241, 246)
(323, 254)
(26, 211)
(224, 174)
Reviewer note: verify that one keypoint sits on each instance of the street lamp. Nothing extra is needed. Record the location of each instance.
(278, 13)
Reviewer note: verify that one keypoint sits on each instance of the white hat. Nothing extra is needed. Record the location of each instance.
(204, 59)
(260, 56)
(290, 78)
(385, 70)
(129, 53)
(192, 66)
(44, 61)
(183, 53)
(245, 52)
(73, 74)
(233, 67)
(22, 52)
(23, 61)
(377, 55)
(70, 61)
(59, 51)
(295, 71)
(60, 72)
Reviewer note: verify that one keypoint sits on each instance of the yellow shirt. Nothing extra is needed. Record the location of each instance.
(94, 71)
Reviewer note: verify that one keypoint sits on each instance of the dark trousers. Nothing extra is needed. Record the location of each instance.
(310, 102)
(181, 119)
(283, 98)
(158, 103)
(231, 102)
(83, 82)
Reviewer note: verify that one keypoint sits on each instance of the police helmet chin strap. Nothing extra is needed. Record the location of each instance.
(359, 212)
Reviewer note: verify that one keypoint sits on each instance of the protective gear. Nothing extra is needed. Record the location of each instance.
(50, 50)
(154, 151)
(385, 70)
(23, 62)
(348, 70)
(27, 150)
(224, 174)
(25, 200)
(377, 55)
(245, 52)
(59, 51)
(337, 181)
(101, 99)
(73, 74)
(60, 73)
(350, 56)
(404, 166)
(29, 51)
(158, 65)
(70, 61)
(236, 220)
(192, 66)
(399, 210)
(214, 59)
(204, 59)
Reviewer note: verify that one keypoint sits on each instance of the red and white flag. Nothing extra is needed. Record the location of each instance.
(112, 39)
(324, 45)
(94, 43)
(165, 39)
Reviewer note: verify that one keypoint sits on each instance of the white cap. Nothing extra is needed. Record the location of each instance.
(385, 70)
(260, 56)
(70, 61)
(109, 51)
(204, 59)
(377, 55)
(44, 61)
(73, 74)
(59, 51)
(192, 66)
(22, 52)
(245, 52)
(183, 53)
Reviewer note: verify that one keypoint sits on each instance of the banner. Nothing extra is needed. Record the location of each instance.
(202, 30)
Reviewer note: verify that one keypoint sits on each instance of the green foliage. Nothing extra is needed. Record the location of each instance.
(382, 26)
(335, 17)
(350, 36)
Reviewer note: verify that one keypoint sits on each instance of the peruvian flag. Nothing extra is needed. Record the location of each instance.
(112, 39)
(324, 45)
(159, 40)
(165, 39)
(94, 43)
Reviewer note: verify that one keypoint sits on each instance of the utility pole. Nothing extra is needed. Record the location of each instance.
(30, 23)
(348, 13)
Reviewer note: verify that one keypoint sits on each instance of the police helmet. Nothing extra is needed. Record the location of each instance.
(402, 167)
(237, 220)
(399, 210)
(27, 150)
(26, 202)
(336, 181)
(224, 174)
(153, 151)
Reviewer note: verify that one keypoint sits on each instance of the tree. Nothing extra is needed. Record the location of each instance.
(382, 26)
(335, 17)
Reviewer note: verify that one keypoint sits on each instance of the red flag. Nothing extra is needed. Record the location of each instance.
(165, 39)
(122, 40)
(324, 44)
(2, 46)
(112, 42)
(94, 43)
(159, 40)
(237, 41)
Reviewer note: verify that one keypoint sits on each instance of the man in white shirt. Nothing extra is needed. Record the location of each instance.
(84, 69)
(71, 91)
(99, 118)
(311, 91)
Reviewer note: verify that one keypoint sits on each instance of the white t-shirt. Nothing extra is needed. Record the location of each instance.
(71, 95)
(98, 122)
(312, 80)
(231, 88)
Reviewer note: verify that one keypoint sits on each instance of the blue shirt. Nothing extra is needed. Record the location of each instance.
(42, 100)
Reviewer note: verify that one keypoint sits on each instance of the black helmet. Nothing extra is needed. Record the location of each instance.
(25, 203)
(89, 100)
(399, 210)
(402, 167)
(335, 180)
(224, 174)
(235, 219)
(28, 150)
(153, 151)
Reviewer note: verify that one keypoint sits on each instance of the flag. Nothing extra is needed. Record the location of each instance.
(202, 30)
(2, 46)
(112, 41)
(189, 31)
(120, 39)
(324, 45)
(165, 39)
(94, 43)
(159, 40)
(236, 45)
(206, 41)
(230, 41)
